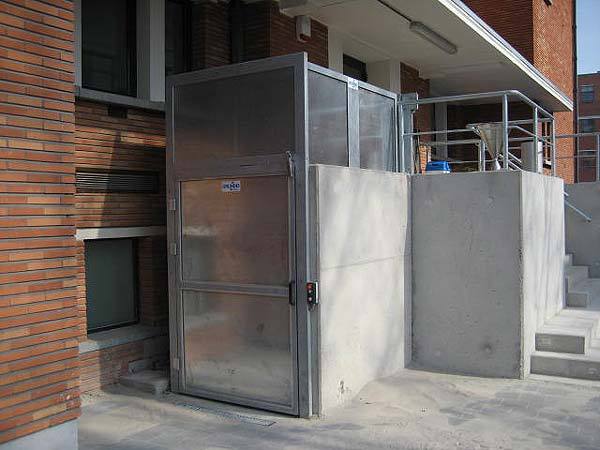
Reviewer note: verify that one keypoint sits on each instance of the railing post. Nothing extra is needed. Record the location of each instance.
(553, 148)
(481, 150)
(505, 129)
(535, 141)
(598, 157)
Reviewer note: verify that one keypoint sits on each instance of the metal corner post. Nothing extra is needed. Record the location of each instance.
(303, 233)
(505, 142)
(535, 140)
(598, 157)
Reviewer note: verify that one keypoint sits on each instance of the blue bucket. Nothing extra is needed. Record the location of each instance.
(435, 167)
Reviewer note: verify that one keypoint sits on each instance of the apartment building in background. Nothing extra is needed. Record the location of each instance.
(83, 257)
(589, 122)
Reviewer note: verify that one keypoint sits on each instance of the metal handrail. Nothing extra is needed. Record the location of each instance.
(541, 118)
(576, 209)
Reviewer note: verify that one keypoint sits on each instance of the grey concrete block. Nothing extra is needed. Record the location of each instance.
(362, 227)
(582, 236)
(565, 365)
(561, 343)
(139, 365)
(488, 248)
(577, 299)
(153, 381)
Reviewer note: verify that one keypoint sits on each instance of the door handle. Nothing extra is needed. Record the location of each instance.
(292, 292)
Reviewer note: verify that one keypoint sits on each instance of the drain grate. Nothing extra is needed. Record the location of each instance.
(228, 414)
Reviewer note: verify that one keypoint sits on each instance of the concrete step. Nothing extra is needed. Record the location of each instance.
(578, 299)
(568, 259)
(153, 381)
(586, 367)
(562, 341)
(575, 274)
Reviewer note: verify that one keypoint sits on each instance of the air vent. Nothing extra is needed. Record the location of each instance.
(116, 181)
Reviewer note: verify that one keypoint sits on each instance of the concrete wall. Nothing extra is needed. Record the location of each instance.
(59, 437)
(543, 250)
(361, 223)
(583, 238)
(483, 245)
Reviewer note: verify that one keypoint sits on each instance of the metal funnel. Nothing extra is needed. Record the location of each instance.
(491, 135)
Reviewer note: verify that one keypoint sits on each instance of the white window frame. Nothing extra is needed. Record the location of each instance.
(150, 54)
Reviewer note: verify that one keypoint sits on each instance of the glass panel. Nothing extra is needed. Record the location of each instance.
(376, 127)
(328, 120)
(109, 282)
(108, 45)
(236, 237)
(238, 345)
(176, 31)
(248, 115)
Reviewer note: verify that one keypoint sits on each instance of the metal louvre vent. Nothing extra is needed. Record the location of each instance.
(116, 181)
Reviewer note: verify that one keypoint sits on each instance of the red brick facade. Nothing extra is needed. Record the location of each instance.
(544, 34)
(38, 313)
(265, 30)
(589, 114)
(135, 142)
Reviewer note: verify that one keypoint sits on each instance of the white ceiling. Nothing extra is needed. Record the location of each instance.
(484, 62)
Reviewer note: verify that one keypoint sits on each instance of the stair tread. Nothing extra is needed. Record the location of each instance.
(565, 331)
(592, 355)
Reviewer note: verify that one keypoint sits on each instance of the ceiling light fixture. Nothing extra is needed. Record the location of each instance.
(429, 35)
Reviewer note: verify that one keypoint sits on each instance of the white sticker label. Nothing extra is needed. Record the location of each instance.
(231, 186)
(353, 84)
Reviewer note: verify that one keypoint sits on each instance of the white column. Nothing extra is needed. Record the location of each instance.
(441, 123)
(77, 55)
(151, 50)
(335, 50)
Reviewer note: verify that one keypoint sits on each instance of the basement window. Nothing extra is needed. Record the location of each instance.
(111, 283)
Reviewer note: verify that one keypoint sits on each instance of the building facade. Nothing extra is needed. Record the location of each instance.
(83, 295)
(589, 122)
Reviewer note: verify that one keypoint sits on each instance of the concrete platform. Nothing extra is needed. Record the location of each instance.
(410, 410)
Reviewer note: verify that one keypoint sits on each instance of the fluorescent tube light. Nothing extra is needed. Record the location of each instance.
(429, 35)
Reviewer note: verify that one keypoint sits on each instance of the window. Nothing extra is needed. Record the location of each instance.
(111, 283)
(587, 94)
(108, 46)
(177, 36)
(588, 126)
(355, 68)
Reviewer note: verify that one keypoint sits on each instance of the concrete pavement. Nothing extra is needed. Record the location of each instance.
(411, 410)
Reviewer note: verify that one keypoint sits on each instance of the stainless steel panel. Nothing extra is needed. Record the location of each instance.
(327, 120)
(377, 131)
(236, 237)
(238, 346)
(245, 115)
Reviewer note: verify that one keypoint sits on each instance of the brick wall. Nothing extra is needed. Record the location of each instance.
(38, 323)
(266, 32)
(587, 166)
(423, 118)
(152, 278)
(133, 140)
(210, 34)
(544, 35)
(134, 143)
(283, 37)
(511, 19)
